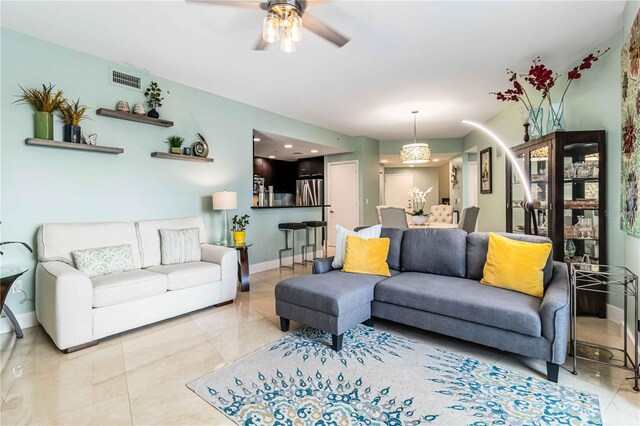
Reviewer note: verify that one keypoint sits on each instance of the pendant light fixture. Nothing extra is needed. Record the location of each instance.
(415, 153)
(285, 14)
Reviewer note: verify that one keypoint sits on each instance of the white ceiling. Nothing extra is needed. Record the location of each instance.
(272, 144)
(441, 58)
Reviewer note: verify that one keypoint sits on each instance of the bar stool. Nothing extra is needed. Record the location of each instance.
(286, 227)
(312, 227)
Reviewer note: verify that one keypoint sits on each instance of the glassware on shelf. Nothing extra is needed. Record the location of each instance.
(581, 169)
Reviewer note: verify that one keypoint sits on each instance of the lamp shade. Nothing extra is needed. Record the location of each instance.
(225, 200)
(415, 153)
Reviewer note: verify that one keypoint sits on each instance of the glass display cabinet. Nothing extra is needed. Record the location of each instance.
(567, 172)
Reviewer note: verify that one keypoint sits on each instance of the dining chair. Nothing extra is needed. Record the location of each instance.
(441, 214)
(394, 217)
(469, 219)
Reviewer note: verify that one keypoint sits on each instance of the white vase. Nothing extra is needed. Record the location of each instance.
(419, 220)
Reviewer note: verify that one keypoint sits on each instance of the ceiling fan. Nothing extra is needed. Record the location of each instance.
(289, 15)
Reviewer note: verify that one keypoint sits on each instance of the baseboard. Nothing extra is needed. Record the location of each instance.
(26, 320)
(273, 264)
(616, 314)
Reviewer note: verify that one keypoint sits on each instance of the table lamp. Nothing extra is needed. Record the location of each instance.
(225, 201)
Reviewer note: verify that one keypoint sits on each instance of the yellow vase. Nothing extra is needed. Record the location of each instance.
(238, 237)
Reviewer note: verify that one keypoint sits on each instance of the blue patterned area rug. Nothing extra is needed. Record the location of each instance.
(382, 379)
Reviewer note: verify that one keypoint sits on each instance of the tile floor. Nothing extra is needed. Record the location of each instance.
(139, 377)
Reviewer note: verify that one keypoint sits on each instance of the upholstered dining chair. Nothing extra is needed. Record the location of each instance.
(394, 217)
(469, 219)
(441, 214)
(378, 208)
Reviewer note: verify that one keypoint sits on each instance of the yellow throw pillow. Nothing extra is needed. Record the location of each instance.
(516, 265)
(367, 256)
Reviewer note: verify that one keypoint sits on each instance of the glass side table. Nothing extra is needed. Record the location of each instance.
(243, 261)
(8, 275)
(610, 280)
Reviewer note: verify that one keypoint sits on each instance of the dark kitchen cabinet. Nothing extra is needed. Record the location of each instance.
(311, 168)
(277, 173)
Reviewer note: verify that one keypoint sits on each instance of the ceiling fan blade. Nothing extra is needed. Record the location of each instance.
(260, 44)
(307, 4)
(244, 4)
(315, 25)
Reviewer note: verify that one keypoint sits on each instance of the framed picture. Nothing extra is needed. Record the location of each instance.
(486, 174)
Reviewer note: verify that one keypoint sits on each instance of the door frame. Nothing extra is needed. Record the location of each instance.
(330, 225)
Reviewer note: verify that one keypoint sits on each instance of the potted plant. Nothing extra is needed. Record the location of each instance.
(418, 202)
(154, 100)
(175, 142)
(45, 102)
(71, 115)
(239, 226)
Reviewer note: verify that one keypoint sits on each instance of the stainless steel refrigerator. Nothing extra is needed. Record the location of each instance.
(309, 192)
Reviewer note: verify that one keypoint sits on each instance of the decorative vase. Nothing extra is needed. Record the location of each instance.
(569, 248)
(418, 219)
(72, 133)
(186, 150)
(238, 237)
(555, 121)
(153, 113)
(123, 106)
(175, 150)
(138, 109)
(44, 125)
(535, 122)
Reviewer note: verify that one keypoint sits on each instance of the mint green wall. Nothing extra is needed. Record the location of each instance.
(40, 185)
(592, 103)
(423, 178)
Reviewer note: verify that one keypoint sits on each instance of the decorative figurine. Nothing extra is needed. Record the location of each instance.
(123, 106)
(89, 139)
(139, 109)
(201, 148)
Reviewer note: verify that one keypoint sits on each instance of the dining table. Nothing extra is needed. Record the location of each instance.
(8, 276)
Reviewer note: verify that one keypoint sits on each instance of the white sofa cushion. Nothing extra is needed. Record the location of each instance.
(57, 241)
(126, 286)
(149, 234)
(184, 275)
(104, 260)
(180, 246)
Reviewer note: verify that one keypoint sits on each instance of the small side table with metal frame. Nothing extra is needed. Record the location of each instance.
(610, 280)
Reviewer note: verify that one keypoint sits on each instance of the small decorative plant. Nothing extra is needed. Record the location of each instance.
(419, 200)
(154, 99)
(239, 223)
(72, 113)
(239, 226)
(45, 100)
(175, 142)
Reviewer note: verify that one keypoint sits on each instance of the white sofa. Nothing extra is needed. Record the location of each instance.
(76, 310)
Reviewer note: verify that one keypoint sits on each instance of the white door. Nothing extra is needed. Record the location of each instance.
(472, 184)
(396, 190)
(342, 196)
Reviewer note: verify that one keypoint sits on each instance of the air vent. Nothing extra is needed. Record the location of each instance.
(120, 78)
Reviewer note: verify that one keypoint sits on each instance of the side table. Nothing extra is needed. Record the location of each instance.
(243, 261)
(8, 275)
(610, 280)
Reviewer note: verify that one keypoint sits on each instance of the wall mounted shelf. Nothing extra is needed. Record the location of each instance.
(75, 146)
(133, 117)
(169, 156)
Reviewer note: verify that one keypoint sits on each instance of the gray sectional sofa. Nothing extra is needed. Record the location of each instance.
(434, 285)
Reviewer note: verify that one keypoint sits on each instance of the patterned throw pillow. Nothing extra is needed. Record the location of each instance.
(180, 246)
(104, 260)
(341, 241)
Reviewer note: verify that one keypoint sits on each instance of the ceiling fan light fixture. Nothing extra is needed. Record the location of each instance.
(295, 25)
(270, 28)
(287, 45)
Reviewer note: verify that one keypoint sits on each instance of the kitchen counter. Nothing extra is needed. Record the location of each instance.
(288, 207)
